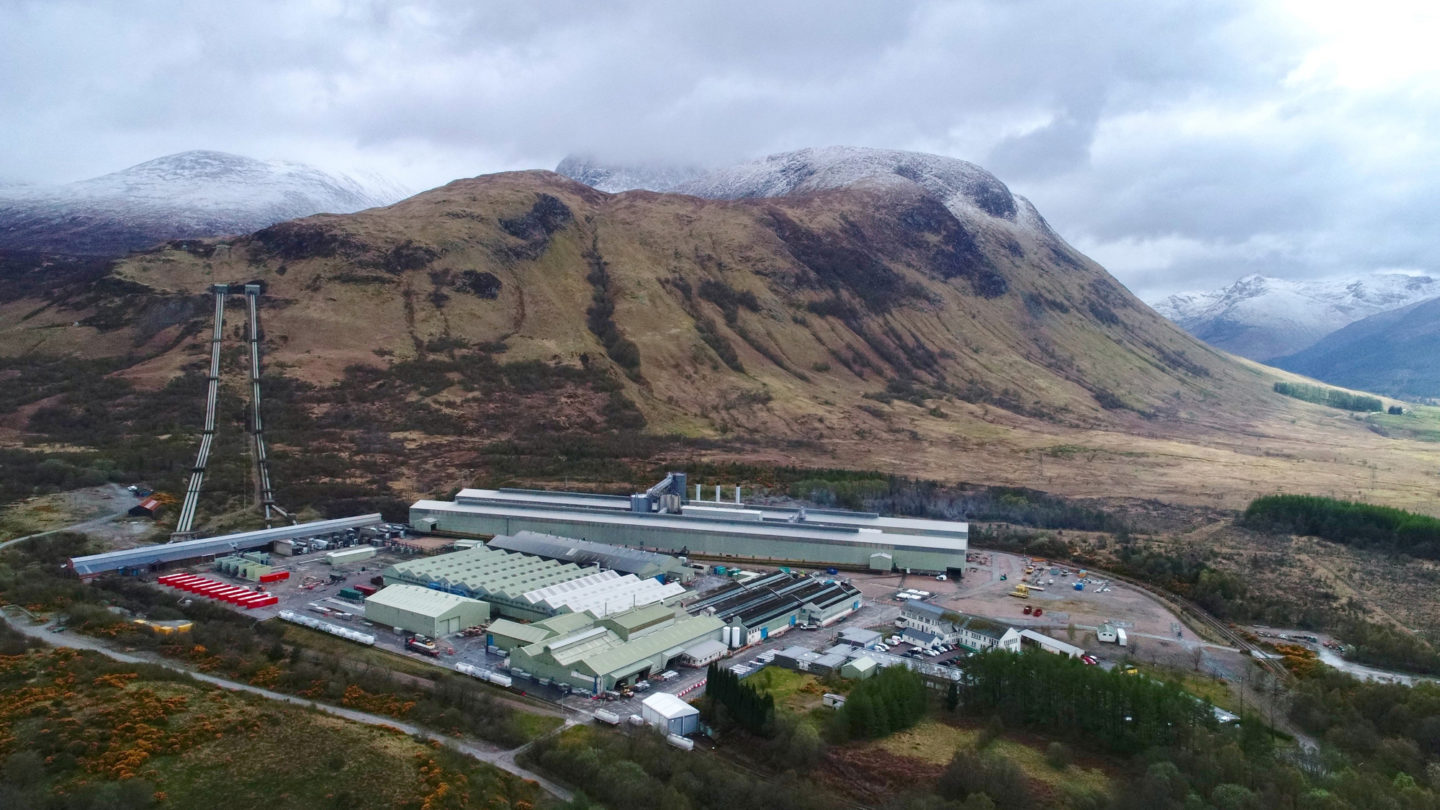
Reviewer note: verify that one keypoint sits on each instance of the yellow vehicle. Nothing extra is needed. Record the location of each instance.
(1022, 591)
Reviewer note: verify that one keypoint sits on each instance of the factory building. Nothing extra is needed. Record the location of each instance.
(774, 603)
(156, 557)
(612, 652)
(663, 520)
(424, 611)
(925, 623)
(507, 634)
(530, 588)
(584, 553)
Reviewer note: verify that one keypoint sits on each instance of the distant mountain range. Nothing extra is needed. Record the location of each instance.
(1267, 318)
(181, 196)
(1395, 353)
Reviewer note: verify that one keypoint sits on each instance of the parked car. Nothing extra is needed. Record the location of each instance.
(1090, 659)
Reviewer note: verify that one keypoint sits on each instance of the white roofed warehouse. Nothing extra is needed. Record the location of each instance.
(670, 714)
(424, 611)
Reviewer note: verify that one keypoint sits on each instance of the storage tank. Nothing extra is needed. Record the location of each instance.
(683, 743)
(609, 718)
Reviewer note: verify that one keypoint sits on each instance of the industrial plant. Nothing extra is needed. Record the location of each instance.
(663, 519)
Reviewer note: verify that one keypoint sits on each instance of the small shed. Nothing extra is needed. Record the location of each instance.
(670, 714)
(704, 653)
(150, 507)
(859, 669)
(859, 637)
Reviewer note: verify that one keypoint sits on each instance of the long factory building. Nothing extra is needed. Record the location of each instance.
(155, 557)
(669, 523)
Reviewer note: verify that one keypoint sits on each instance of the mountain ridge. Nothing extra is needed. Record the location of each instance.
(1264, 318)
(1396, 353)
(186, 195)
(498, 323)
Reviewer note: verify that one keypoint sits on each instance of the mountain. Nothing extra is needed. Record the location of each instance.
(857, 309)
(183, 196)
(1264, 318)
(1395, 352)
(615, 177)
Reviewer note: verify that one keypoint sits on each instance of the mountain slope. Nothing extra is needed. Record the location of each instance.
(1264, 318)
(1395, 353)
(523, 325)
(182, 196)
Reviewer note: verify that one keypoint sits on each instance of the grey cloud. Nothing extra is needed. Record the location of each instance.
(1126, 123)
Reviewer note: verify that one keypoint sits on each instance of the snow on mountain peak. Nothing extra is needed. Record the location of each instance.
(185, 195)
(1262, 317)
(614, 178)
(963, 187)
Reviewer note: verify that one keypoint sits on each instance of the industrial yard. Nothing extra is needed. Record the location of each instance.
(624, 632)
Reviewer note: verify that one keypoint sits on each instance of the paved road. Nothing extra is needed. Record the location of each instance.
(504, 760)
(78, 527)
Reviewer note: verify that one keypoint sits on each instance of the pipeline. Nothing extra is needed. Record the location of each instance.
(207, 434)
(262, 461)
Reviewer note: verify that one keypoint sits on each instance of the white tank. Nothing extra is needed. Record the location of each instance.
(683, 743)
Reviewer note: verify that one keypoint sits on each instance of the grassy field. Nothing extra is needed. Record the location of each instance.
(74, 724)
(1422, 423)
(935, 742)
(1200, 686)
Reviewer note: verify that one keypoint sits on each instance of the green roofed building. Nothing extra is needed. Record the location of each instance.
(608, 653)
(424, 611)
(501, 578)
(507, 634)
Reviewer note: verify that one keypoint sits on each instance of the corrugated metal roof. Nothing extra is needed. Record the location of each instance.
(524, 633)
(585, 552)
(679, 634)
(838, 518)
(952, 541)
(424, 601)
(486, 571)
(211, 546)
(632, 620)
(705, 649)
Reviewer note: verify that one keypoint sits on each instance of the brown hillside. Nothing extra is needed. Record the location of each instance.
(865, 327)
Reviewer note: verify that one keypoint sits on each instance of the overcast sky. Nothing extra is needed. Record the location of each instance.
(1180, 144)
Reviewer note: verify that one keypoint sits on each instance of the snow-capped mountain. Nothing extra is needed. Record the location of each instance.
(1264, 318)
(186, 195)
(963, 187)
(614, 178)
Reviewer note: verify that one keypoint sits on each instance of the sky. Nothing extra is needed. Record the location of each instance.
(1181, 144)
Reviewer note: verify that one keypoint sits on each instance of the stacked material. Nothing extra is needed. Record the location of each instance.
(214, 589)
